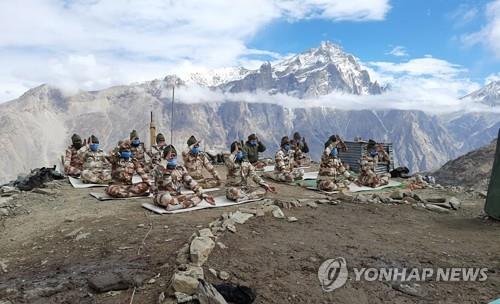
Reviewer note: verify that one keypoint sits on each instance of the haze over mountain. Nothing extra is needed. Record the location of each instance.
(36, 127)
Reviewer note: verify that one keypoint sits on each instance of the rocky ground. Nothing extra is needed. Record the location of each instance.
(63, 246)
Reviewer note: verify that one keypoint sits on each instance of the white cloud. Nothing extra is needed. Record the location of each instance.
(425, 67)
(491, 78)
(398, 51)
(463, 15)
(96, 43)
(489, 35)
(429, 84)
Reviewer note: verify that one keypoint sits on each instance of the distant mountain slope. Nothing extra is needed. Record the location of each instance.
(318, 71)
(471, 170)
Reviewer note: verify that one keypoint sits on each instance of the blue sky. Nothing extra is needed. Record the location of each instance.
(421, 27)
(427, 48)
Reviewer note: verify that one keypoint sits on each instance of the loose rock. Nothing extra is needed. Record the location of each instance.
(240, 217)
(223, 275)
(312, 205)
(277, 213)
(200, 249)
(292, 219)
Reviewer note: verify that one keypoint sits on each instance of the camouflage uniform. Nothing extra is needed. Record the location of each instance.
(330, 172)
(72, 162)
(156, 155)
(284, 167)
(168, 186)
(96, 167)
(122, 173)
(195, 163)
(299, 153)
(253, 151)
(367, 176)
(238, 174)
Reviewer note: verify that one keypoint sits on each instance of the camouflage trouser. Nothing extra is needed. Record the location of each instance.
(208, 183)
(259, 164)
(122, 191)
(303, 162)
(371, 179)
(296, 174)
(331, 185)
(72, 171)
(94, 177)
(174, 202)
(239, 194)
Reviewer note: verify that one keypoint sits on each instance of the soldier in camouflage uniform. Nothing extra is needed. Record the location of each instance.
(96, 166)
(195, 160)
(239, 171)
(157, 150)
(367, 176)
(284, 165)
(72, 161)
(123, 168)
(169, 181)
(137, 149)
(332, 173)
(252, 148)
(300, 149)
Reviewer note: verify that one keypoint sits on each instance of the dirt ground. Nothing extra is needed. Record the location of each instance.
(56, 243)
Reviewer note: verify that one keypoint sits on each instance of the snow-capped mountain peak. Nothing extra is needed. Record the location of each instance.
(488, 95)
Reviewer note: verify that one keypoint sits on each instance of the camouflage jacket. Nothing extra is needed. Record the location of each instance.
(123, 170)
(369, 162)
(139, 153)
(195, 163)
(300, 149)
(156, 154)
(72, 159)
(239, 173)
(253, 151)
(330, 166)
(172, 180)
(283, 161)
(94, 160)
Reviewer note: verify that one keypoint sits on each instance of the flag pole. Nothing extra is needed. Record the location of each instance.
(172, 117)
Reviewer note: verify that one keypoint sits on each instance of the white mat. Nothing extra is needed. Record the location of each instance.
(355, 188)
(311, 175)
(220, 201)
(79, 184)
(271, 168)
(103, 196)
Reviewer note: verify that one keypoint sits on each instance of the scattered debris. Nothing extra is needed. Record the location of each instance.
(292, 219)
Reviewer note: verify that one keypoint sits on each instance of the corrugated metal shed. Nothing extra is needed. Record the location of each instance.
(356, 149)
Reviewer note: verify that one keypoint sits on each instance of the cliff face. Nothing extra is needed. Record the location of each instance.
(470, 170)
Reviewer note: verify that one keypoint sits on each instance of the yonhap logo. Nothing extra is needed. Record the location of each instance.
(332, 274)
